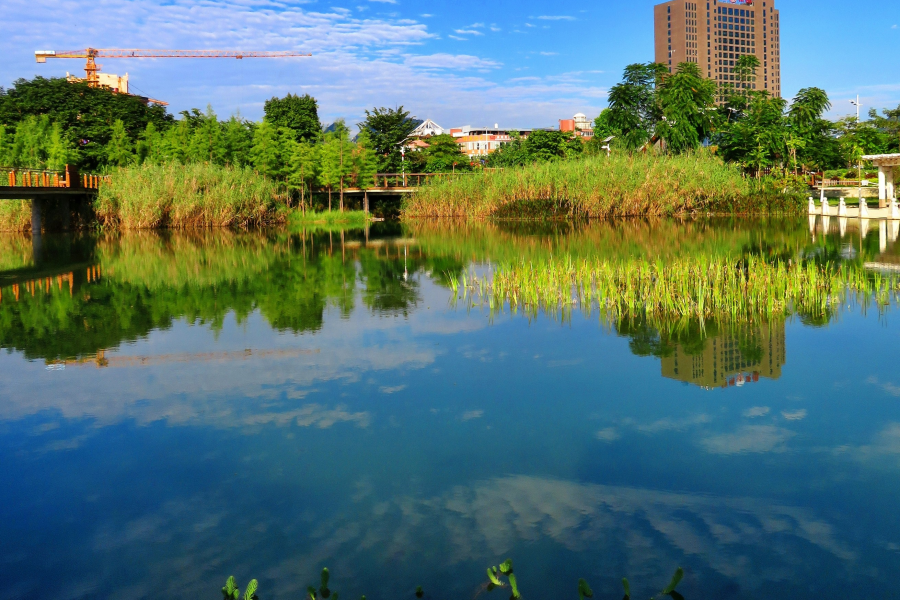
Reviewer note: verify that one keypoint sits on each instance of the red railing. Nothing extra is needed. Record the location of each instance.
(42, 178)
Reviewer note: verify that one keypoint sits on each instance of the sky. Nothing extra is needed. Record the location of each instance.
(524, 63)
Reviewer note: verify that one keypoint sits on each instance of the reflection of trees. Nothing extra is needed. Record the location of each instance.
(386, 289)
(659, 337)
(149, 280)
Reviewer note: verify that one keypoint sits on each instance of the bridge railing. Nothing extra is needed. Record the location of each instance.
(405, 180)
(45, 178)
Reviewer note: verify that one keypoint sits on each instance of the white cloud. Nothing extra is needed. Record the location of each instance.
(472, 414)
(795, 415)
(450, 61)
(756, 411)
(468, 32)
(608, 435)
(749, 439)
(555, 18)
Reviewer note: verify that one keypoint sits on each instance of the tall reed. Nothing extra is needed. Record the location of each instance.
(600, 186)
(689, 287)
(182, 196)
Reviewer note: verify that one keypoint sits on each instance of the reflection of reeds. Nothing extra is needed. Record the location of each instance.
(195, 195)
(620, 185)
(697, 287)
(15, 215)
(158, 260)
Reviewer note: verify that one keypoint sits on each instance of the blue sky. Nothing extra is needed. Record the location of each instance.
(518, 64)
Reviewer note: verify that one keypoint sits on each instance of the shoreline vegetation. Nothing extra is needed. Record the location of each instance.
(620, 185)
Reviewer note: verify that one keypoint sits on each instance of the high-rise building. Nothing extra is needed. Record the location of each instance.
(715, 33)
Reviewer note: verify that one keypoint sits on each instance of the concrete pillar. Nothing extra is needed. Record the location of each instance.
(882, 187)
(889, 182)
(37, 209)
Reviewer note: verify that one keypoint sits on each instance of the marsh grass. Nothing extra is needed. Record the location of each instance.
(676, 289)
(184, 196)
(329, 217)
(600, 187)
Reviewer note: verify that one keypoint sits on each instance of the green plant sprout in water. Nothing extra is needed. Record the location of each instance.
(584, 591)
(323, 591)
(231, 591)
(494, 574)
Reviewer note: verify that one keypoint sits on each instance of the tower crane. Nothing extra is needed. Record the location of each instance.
(92, 69)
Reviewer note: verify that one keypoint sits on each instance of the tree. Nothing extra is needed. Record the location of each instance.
(889, 123)
(206, 143)
(633, 107)
(149, 146)
(388, 128)
(443, 155)
(365, 161)
(60, 149)
(736, 95)
(85, 114)
(266, 153)
(304, 167)
(758, 138)
(336, 160)
(237, 137)
(686, 100)
(119, 151)
(298, 113)
(29, 145)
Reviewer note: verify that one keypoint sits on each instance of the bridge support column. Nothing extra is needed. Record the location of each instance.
(37, 210)
(66, 217)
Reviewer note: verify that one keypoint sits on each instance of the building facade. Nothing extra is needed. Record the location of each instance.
(715, 33)
(481, 141)
(579, 125)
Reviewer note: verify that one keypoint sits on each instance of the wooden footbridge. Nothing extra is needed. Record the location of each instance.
(39, 185)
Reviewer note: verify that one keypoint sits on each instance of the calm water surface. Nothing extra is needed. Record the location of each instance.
(176, 408)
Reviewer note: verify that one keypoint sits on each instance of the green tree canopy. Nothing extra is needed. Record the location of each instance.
(687, 102)
(444, 155)
(85, 114)
(388, 128)
(633, 108)
(298, 113)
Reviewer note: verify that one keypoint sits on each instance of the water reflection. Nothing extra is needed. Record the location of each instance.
(313, 395)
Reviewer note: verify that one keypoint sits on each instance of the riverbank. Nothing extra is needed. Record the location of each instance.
(620, 185)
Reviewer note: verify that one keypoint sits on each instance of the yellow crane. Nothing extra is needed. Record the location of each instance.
(92, 69)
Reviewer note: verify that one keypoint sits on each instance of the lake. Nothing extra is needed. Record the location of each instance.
(178, 407)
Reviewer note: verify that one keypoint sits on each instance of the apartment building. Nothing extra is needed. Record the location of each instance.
(715, 33)
(481, 141)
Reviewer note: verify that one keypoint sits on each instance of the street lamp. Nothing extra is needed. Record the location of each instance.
(857, 105)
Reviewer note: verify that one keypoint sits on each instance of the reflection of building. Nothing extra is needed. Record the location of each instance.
(735, 357)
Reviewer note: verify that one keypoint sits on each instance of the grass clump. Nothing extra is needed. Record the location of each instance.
(183, 196)
(329, 217)
(600, 187)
